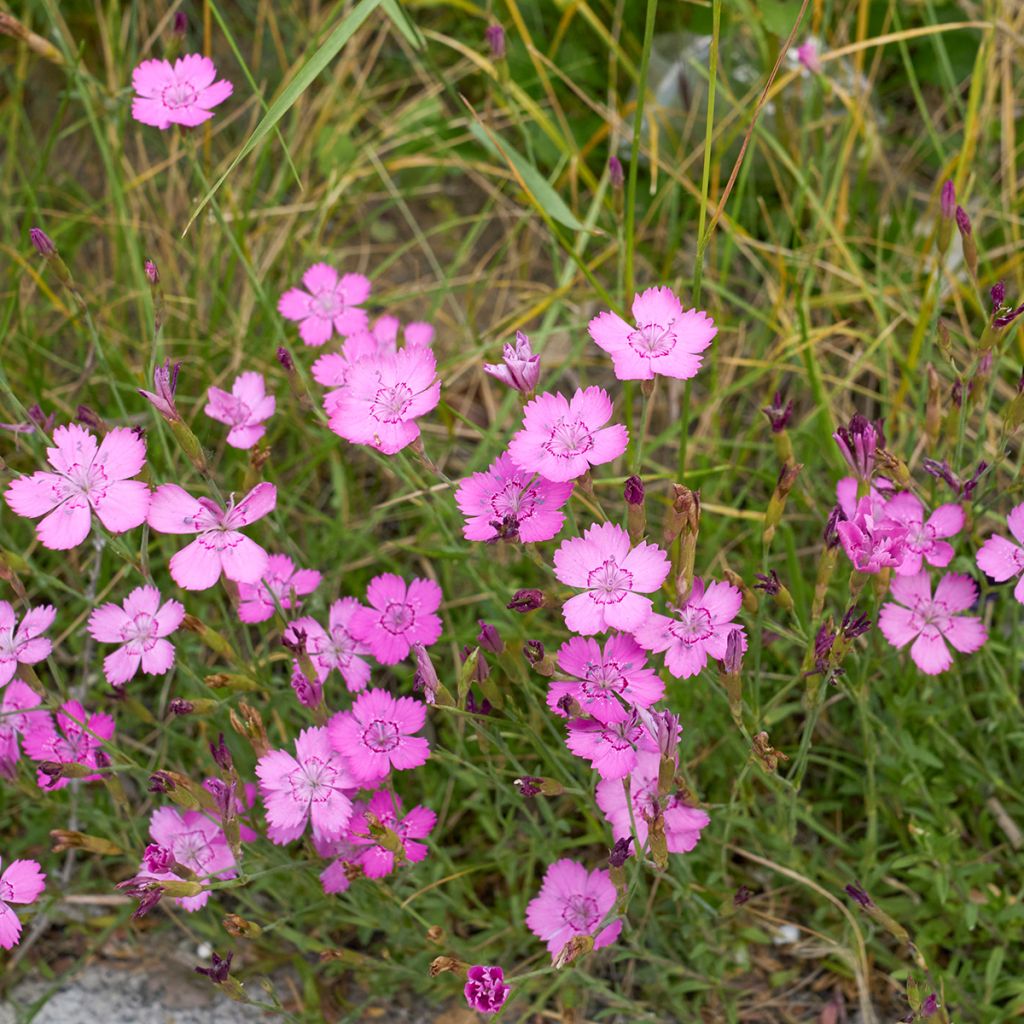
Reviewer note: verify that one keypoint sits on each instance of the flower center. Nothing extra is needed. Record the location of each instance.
(340, 647)
(313, 781)
(327, 305)
(600, 679)
(181, 94)
(390, 404)
(193, 849)
(652, 340)
(514, 500)
(381, 736)
(398, 618)
(569, 438)
(236, 410)
(693, 626)
(608, 583)
(580, 913)
(140, 631)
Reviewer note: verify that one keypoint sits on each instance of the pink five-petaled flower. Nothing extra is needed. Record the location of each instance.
(930, 622)
(873, 542)
(87, 478)
(219, 548)
(700, 629)
(282, 581)
(610, 742)
(16, 711)
(140, 626)
(21, 882)
(400, 616)
(923, 541)
(76, 738)
(1001, 559)
(383, 397)
(614, 577)
(335, 647)
(312, 786)
(520, 368)
(244, 410)
(509, 502)
(376, 735)
(330, 303)
(23, 645)
(485, 989)
(573, 901)
(665, 340)
(562, 438)
(376, 859)
(183, 94)
(618, 673)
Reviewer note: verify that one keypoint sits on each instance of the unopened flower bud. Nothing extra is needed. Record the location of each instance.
(742, 896)
(495, 36)
(489, 639)
(520, 368)
(533, 652)
(858, 894)
(180, 24)
(620, 852)
(997, 293)
(180, 706)
(221, 754)
(42, 242)
(152, 272)
(858, 442)
(636, 515)
(970, 247)
(616, 175)
(524, 601)
(284, 357)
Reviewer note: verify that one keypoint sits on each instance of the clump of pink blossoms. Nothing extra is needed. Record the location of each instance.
(399, 616)
(330, 303)
(385, 809)
(184, 93)
(1001, 559)
(23, 643)
(21, 882)
(335, 647)
(281, 580)
(87, 478)
(16, 711)
(925, 538)
(245, 409)
(76, 737)
(485, 989)
(872, 541)
(609, 740)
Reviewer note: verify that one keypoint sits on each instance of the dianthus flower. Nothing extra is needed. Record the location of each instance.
(244, 410)
(562, 438)
(21, 882)
(314, 785)
(485, 989)
(511, 503)
(376, 735)
(610, 742)
(384, 396)
(400, 615)
(139, 625)
(75, 738)
(16, 711)
(613, 575)
(330, 303)
(931, 622)
(183, 94)
(520, 367)
(335, 647)
(665, 340)
(281, 581)
(219, 548)
(924, 538)
(23, 645)
(376, 860)
(87, 478)
(872, 543)
(699, 630)
(1001, 559)
(573, 901)
(332, 370)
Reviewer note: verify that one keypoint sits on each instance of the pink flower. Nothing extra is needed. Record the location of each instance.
(683, 823)
(384, 396)
(930, 622)
(139, 626)
(520, 368)
(312, 786)
(376, 735)
(700, 629)
(21, 882)
(345, 857)
(87, 479)
(281, 581)
(23, 645)
(400, 616)
(665, 340)
(332, 369)
(573, 902)
(182, 94)
(194, 841)
(807, 55)
(377, 861)
(384, 332)
(509, 502)
(923, 541)
(872, 543)
(244, 410)
(485, 988)
(336, 647)
(76, 738)
(562, 438)
(330, 303)
(1001, 559)
(610, 742)
(618, 673)
(219, 548)
(614, 578)
(846, 495)
(16, 713)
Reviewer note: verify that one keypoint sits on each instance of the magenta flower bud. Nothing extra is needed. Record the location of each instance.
(485, 989)
(520, 369)
(165, 381)
(152, 273)
(180, 24)
(779, 413)
(179, 706)
(668, 731)
(489, 638)
(948, 200)
(218, 970)
(858, 442)
(483, 670)
(930, 1006)
(619, 853)
(634, 491)
(963, 222)
(733, 660)
(524, 601)
(221, 754)
(308, 694)
(528, 785)
(533, 652)
(856, 893)
(616, 175)
(158, 859)
(997, 293)
(742, 896)
(42, 242)
(284, 357)
(425, 676)
(495, 36)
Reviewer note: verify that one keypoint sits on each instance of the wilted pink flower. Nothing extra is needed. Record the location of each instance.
(335, 647)
(520, 368)
(165, 380)
(21, 882)
(86, 478)
(610, 742)
(376, 735)
(873, 543)
(23, 643)
(330, 303)
(383, 398)
(76, 738)
(619, 673)
(183, 94)
(16, 711)
(139, 626)
(923, 541)
(485, 989)
(573, 901)
(700, 629)
(614, 577)
(1001, 559)
(378, 861)
(220, 547)
(858, 442)
(312, 786)
(281, 581)
(562, 438)
(665, 340)
(400, 615)
(930, 622)
(244, 410)
(511, 503)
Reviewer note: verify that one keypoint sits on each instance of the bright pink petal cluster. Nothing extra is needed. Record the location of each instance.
(21, 882)
(184, 93)
(1002, 559)
(485, 989)
(399, 616)
(335, 647)
(73, 736)
(328, 303)
(281, 581)
(925, 538)
(23, 643)
(384, 809)
(245, 409)
(871, 540)
(609, 740)
(617, 674)
(16, 712)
